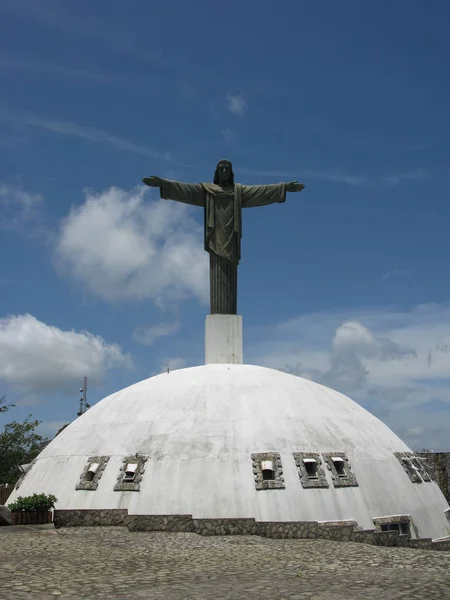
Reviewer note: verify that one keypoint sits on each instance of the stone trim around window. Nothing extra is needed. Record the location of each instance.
(135, 485)
(22, 477)
(348, 479)
(320, 481)
(421, 464)
(413, 466)
(277, 483)
(90, 485)
(378, 521)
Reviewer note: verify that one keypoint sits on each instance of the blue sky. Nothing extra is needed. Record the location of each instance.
(345, 283)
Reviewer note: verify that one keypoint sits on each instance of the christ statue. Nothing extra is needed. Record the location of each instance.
(223, 201)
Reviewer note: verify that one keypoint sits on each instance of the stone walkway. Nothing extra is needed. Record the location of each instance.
(113, 563)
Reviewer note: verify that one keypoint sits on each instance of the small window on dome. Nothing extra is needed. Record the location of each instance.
(402, 528)
(413, 466)
(341, 471)
(268, 471)
(339, 465)
(93, 468)
(422, 467)
(447, 514)
(412, 470)
(130, 472)
(310, 470)
(92, 473)
(401, 523)
(130, 475)
(24, 469)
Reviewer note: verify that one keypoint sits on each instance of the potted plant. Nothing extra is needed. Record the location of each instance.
(32, 510)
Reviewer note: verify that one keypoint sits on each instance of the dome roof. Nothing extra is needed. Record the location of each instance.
(205, 436)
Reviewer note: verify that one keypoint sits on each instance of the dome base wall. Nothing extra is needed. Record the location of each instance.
(346, 531)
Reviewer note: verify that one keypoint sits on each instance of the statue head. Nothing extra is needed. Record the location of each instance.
(224, 175)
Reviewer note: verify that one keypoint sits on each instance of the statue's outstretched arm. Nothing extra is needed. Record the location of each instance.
(262, 195)
(188, 193)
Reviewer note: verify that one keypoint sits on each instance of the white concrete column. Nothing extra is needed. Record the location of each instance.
(223, 339)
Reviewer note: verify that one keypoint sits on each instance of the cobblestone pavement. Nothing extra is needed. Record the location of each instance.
(113, 563)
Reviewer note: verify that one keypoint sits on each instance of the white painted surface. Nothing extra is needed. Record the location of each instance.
(223, 340)
(199, 426)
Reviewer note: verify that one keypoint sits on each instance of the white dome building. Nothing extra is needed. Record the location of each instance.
(228, 447)
(233, 441)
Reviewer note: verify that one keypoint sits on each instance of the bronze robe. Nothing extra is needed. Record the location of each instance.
(223, 221)
(223, 229)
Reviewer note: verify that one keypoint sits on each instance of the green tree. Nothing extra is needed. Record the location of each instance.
(4, 407)
(61, 429)
(19, 444)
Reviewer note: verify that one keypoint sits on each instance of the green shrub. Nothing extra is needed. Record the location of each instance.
(34, 503)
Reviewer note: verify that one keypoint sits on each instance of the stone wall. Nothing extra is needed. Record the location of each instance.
(438, 464)
(346, 532)
(90, 518)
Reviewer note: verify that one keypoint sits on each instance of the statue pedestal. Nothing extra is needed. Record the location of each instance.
(223, 339)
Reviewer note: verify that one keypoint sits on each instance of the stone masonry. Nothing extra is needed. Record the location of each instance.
(112, 563)
(347, 532)
(438, 465)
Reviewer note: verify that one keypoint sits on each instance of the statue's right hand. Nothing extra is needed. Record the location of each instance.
(152, 181)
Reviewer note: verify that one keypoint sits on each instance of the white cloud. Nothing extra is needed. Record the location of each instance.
(7, 62)
(331, 175)
(236, 104)
(146, 336)
(17, 206)
(395, 272)
(93, 134)
(37, 358)
(100, 31)
(338, 175)
(228, 135)
(28, 400)
(171, 364)
(396, 178)
(395, 363)
(122, 245)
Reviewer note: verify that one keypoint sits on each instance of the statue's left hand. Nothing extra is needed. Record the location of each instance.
(152, 181)
(294, 186)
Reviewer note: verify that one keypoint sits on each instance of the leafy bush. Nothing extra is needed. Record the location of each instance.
(34, 503)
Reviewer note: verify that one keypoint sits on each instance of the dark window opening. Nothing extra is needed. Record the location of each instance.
(390, 527)
(403, 527)
(311, 469)
(268, 475)
(92, 470)
(340, 468)
(130, 472)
